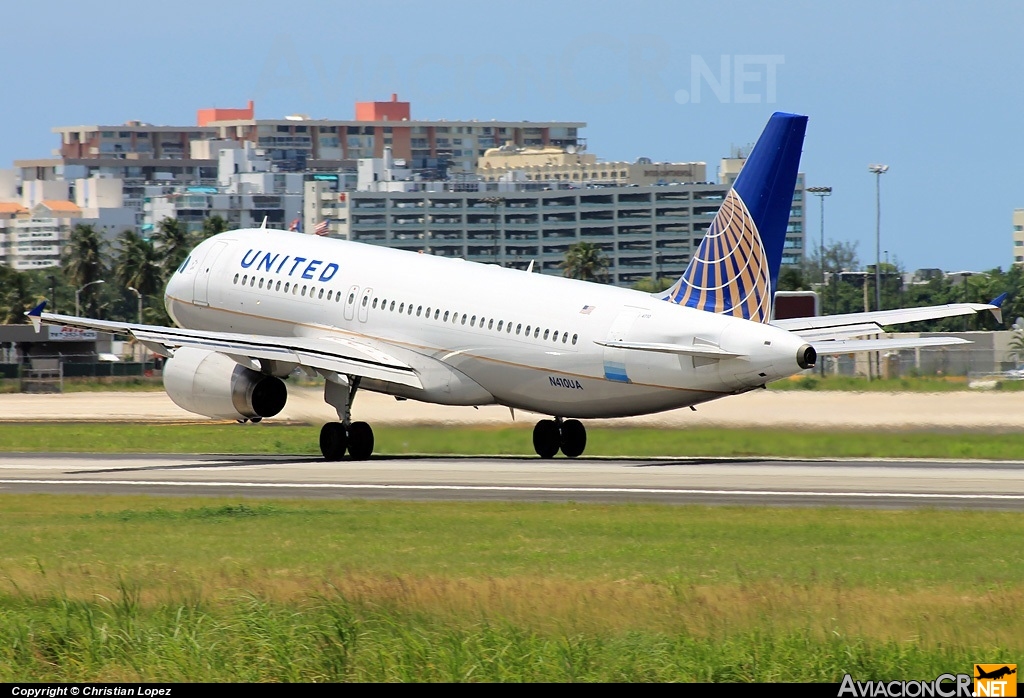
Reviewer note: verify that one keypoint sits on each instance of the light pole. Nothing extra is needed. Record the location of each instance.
(821, 193)
(138, 297)
(494, 201)
(878, 171)
(53, 293)
(78, 294)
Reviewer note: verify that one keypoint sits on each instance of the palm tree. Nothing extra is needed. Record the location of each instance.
(585, 261)
(84, 263)
(137, 264)
(213, 225)
(173, 242)
(16, 298)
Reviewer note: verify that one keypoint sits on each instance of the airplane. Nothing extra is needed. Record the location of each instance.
(253, 306)
(995, 673)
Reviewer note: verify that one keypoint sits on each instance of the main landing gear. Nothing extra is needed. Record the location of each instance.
(346, 435)
(550, 435)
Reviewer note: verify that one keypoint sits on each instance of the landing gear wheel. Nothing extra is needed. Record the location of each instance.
(546, 438)
(360, 440)
(574, 438)
(333, 441)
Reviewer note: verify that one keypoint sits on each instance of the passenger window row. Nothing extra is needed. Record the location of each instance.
(472, 321)
(293, 288)
(310, 291)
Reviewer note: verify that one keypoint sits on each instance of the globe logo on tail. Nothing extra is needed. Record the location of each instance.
(729, 274)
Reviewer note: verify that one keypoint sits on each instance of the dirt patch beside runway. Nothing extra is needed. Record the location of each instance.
(768, 409)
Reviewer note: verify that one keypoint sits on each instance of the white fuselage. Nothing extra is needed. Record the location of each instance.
(479, 333)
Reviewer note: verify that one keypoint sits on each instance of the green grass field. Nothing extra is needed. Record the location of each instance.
(103, 588)
(99, 588)
(287, 439)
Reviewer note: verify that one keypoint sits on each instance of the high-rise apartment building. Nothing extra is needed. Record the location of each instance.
(1018, 236)
(296, 142)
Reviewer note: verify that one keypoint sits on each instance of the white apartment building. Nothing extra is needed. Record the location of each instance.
(246, 193)
(1018, 236)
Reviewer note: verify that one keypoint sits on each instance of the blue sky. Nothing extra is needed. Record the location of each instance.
(933, 89)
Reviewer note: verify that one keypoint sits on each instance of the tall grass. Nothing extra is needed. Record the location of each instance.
(175, 589)
(334, 639)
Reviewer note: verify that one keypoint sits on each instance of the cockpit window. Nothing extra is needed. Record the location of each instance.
(184, 264)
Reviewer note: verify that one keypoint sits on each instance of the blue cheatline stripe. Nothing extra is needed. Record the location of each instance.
(615, 372)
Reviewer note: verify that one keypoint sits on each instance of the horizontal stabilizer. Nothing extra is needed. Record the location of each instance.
(844, 332)
(707, 352)
(882, 318)
(850, 346)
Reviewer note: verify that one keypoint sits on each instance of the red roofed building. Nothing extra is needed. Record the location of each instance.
(381, 111)
(205, 116)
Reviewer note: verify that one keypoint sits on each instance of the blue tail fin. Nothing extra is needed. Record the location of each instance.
(736, 267)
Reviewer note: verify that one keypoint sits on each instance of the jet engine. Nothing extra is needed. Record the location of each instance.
(212, 384)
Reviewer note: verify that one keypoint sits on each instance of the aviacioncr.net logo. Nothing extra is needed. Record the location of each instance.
(945, 686)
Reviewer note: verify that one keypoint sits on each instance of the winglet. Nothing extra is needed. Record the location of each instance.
(263, 225)
(997, 311)
(36, 315)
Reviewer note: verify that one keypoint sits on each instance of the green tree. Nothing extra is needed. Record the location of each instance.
(174, 242)
(214, 225)
(84, 262)
(16, 296)
(585, 261)
(792, 279)
(137, 264)
(649, 285)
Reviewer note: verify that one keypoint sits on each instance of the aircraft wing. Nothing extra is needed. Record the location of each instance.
(325, 354)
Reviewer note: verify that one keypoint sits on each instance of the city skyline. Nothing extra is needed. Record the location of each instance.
(926, 88)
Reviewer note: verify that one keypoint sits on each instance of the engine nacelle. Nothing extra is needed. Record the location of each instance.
(211, 384)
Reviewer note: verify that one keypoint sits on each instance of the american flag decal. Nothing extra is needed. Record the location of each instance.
(586, 309)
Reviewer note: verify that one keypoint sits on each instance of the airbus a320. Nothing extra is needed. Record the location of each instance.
(255, 306)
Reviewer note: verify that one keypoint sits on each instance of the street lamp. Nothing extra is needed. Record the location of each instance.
(821, 193)
(878, 171)
(53, 293)
(494, 201)
(138, 297)
(78, 293)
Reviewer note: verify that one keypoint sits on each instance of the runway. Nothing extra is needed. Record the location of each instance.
(767, 482)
